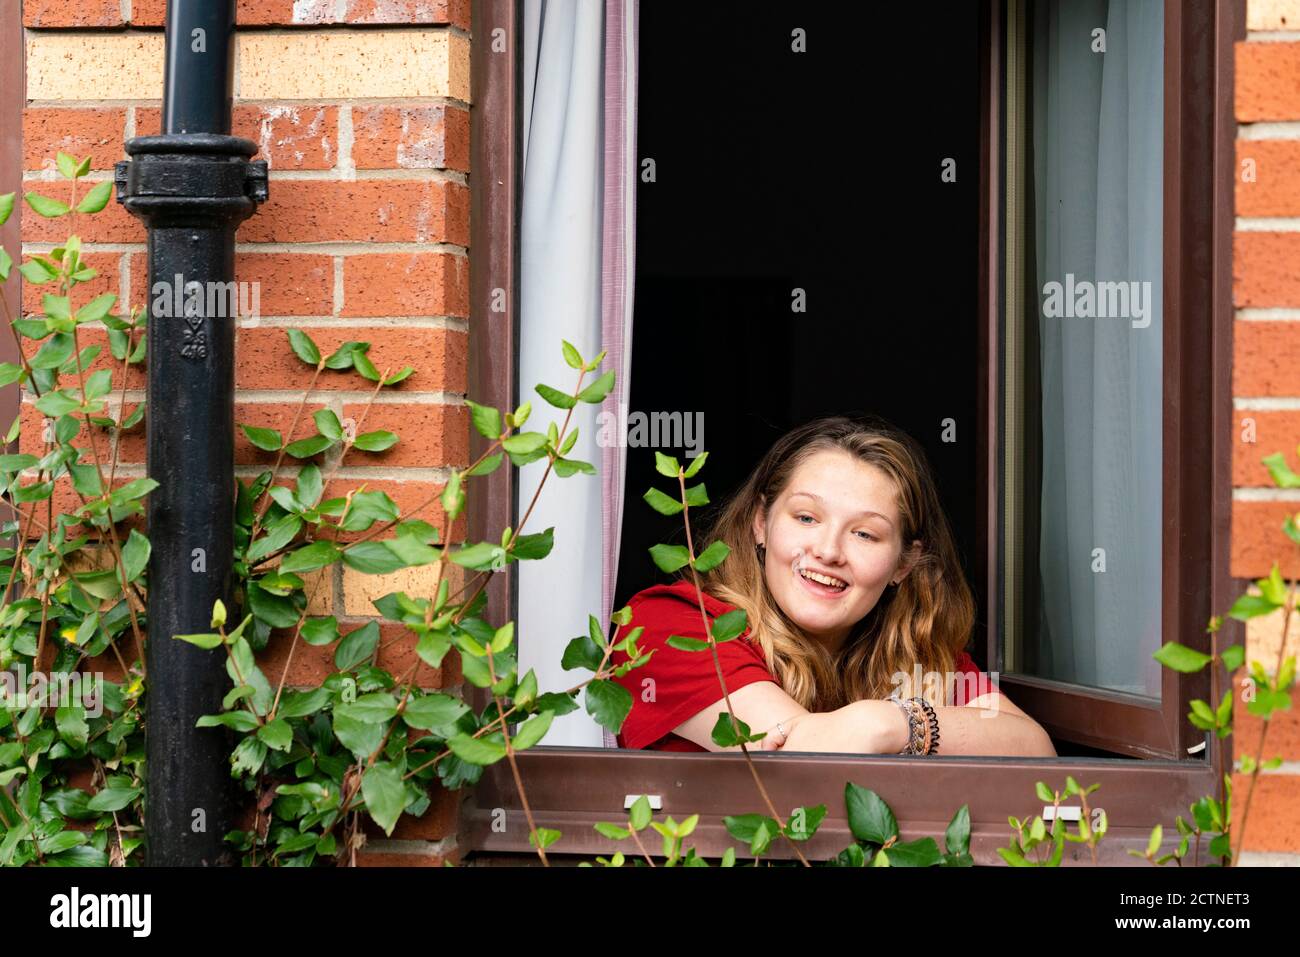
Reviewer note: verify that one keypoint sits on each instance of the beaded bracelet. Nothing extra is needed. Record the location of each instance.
(922, 725)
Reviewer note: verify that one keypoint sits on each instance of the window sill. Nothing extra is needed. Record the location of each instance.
(571, 789)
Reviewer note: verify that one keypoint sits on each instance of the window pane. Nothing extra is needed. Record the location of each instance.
(1089, 356)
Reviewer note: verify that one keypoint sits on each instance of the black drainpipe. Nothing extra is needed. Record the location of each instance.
(191, 186)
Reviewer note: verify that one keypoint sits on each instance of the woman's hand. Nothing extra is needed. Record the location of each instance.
(863, 727)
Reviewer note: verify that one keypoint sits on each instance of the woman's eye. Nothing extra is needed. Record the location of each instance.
(866, 536)
(800, 518)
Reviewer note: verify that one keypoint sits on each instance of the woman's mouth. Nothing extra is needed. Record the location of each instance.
(824, 586)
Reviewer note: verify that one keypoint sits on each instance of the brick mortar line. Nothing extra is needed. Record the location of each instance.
(320, 395)
(258, 29)
(317, 321)
(324, 248)
(437, 475)
(1268, 314)
(1266, 404)
(432, 174)
(1267, 224)
(1272, 36)
(440, 99)
(1265, 494)
(1268, 130)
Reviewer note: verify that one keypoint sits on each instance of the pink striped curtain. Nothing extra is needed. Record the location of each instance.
(618, 260)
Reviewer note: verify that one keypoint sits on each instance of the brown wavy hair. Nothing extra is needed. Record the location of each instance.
(926, 620)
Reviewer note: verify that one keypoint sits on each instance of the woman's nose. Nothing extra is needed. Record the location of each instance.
(826, 547)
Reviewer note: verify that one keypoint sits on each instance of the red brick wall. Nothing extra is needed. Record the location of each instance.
(1266, 387)
(365, 237)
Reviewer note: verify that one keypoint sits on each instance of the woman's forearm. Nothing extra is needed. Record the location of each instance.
(986, 731)
(873, 726)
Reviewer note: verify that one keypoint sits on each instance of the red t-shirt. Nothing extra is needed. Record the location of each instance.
(685, 682)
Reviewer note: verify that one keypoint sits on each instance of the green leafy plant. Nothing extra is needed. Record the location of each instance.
(1266, 693)
(81, 583)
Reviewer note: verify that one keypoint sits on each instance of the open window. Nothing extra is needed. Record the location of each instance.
(923, 219)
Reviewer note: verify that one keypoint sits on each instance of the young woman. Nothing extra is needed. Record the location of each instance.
(858, 615)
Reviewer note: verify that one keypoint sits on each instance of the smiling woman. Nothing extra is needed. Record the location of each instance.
(842, 560)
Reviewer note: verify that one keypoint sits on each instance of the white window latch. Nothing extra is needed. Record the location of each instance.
(1067, 812)
(656, 802)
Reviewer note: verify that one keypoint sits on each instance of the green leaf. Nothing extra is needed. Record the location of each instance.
(66, 164)
(1233, 657)
(597, 391)
(309, 486)
(609, 704)
(375, 441)
(532, 730)
(661, 503)
(97, 198)
(1283, 477)
(956, 839)
(71, 723)
(97, 308)
(327, 423)
(357, 646)
(524, 443)
(341, 358)
(359, 737)
(666, 465)
(1181, 658)
(685, 643)
(242, 722)
(561, 400)
(697, 463)
(266, 439)
(385, 794)
(432, 711)
(277, 734)
(535, 546)
(372, 558)
(479, 751)
(44, 206)
(919, 853)
(870, 818)
(712, 557)
(726, 736)
(6, 207)
(303, 347)
(305, 448)
(135, 555)
(729, 625)
(572, 357)
(669, 558)
(363, 365)
(486, 419)
(206, 641)
(320, 631)
(53, 353)
(314, 556)
(112, 799)
(376, 708)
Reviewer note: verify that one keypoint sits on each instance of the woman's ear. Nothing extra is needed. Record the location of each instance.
(907, 561)
(760, 526)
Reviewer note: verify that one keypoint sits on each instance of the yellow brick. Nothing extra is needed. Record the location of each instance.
(321, 602)
(360, 589)
(94, 66)
(337, 64)
(1264, 634)
(344, 64)
(1273, 15)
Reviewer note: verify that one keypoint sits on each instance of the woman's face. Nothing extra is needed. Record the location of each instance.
(838, 520)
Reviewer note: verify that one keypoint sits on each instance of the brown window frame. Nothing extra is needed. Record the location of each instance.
(573, 788)
(13, 92)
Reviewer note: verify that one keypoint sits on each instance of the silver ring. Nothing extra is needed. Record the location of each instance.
(782, 730)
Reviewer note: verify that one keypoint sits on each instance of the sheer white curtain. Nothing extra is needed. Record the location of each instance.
(1098, 147)
(577, 228)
